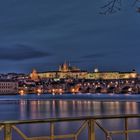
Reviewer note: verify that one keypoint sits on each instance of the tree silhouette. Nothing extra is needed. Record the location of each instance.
(113, 6)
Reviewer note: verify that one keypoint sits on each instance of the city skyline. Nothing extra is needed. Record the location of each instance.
(71, 68)
(46, 34)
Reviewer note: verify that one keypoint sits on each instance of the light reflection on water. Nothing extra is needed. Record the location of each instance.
(37, 109)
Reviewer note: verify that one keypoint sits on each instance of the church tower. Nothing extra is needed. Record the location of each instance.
(64, 67)
(34, 76)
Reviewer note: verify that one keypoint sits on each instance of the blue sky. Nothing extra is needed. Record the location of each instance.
(43, 34)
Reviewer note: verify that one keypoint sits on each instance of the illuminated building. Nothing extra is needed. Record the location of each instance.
(64, 67)
(47, 74)
(67, 71)
(111, 75)
(103, 75)
(67, 68)
(61, 75)
(34, 75)
(128, 75)
(8, 87)
(21, 92)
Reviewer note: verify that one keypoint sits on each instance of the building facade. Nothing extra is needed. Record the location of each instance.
(112, 75)
(67, 71)
(8, 87)
(64, 71)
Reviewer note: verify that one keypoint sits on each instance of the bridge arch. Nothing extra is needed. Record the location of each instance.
(98, 90)
(111, 89)
(126, 89)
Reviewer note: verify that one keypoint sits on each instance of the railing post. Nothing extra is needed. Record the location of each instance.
(91, 130)
(52, 131)
(126, 128)
(7, 132)
(75, 138)
(108, 137)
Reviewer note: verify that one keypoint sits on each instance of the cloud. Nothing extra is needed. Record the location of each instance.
(96, 55)
(104, 54)
(20, 52)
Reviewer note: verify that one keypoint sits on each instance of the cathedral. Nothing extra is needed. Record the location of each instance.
(67, 68)
(67, 71)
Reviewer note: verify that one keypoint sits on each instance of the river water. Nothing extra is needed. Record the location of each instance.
(48, 106)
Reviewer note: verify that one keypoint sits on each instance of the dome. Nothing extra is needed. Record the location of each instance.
(96, 70)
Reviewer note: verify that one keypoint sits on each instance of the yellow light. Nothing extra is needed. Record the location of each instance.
(39, 90)
(21, 92)
(130, 89)
(60, 89)
(73, 90)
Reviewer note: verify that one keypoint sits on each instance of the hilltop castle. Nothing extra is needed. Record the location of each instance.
(67, 71)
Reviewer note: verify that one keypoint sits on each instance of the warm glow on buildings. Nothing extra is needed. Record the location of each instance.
(21, 92)
(39, 91)
(57, 90)
(34, 76)
(112, 75)
(67, 71)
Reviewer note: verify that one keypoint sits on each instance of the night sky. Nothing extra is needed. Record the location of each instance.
(42, 34)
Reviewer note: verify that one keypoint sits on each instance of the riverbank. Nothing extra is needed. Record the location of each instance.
(100, 97)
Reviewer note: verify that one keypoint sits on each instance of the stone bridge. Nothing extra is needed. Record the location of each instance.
(111, 88)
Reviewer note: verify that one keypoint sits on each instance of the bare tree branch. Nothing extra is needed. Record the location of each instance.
(113, 6)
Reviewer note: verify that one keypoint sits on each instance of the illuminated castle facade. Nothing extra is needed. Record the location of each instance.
(67, 71)
(112, 75)
(34, 75)
(64, 71)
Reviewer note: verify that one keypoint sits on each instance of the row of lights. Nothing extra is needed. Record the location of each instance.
(23, 92)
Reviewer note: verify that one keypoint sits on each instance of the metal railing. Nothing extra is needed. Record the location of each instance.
(87, 122)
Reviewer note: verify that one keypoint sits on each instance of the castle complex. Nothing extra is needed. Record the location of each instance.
(67, 71)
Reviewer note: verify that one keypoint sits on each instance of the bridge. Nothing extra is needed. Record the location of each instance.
(116, 86)
(89, 122)
(85, 86)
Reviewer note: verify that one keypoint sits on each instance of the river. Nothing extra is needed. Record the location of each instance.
(49, 106)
